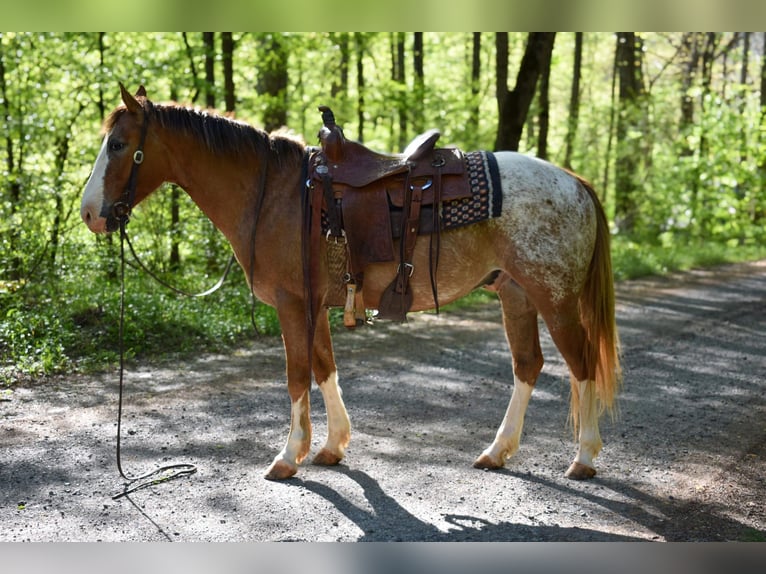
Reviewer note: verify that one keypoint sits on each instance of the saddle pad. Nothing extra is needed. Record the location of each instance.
(486, 200)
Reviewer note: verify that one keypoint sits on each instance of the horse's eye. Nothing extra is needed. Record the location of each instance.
(116, 146)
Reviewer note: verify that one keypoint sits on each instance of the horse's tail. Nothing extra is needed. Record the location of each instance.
(598, 318)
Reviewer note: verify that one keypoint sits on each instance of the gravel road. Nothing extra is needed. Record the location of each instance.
(685, 460)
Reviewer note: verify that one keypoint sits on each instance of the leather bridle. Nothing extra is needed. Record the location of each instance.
(119, 212)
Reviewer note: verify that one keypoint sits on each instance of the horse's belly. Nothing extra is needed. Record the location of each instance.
(466, 258)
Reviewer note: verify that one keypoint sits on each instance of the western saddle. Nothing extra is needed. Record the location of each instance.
(362, 201)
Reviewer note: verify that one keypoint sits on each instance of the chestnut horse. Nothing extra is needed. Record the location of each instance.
(547, 254)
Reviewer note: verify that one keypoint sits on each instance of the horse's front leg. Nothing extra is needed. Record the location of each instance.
(293, 323)
(326, 375)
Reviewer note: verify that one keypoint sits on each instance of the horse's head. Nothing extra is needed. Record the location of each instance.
(123, 174)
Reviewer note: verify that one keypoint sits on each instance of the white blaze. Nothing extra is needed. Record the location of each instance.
(93, 197)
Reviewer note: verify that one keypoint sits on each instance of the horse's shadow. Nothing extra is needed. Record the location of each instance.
(390, 521)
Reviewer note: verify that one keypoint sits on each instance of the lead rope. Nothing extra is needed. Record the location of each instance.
(170, 471)
(176, 290)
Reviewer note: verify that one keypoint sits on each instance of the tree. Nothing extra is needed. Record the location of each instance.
(574, 101)
(62, 148)
(273, 79)
(419, 91)
(690, 47)
(544, 111)
(12, 126)
(208, 40)
(474, 104)
(339, 87)
(631, 115)
(762, 116)
(513, 105)
(399, 85)
(227, 57)
(699, 198)
(360, 42)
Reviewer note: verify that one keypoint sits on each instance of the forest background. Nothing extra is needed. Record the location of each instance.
(670, 128)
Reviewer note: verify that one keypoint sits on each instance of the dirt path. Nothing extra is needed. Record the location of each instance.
(685, 461)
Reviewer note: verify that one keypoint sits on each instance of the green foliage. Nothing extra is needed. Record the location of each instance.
(632, 259)
(70, 324)
(701, 187)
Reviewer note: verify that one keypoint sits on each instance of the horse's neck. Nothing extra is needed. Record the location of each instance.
(224, 188)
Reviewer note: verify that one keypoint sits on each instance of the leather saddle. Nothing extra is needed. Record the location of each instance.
(369, 200)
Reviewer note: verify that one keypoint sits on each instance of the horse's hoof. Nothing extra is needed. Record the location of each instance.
(485, 462)
(579, 471)
(326, 457)
(280, 470)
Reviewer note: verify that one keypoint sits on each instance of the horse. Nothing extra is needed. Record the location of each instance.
(547, 255)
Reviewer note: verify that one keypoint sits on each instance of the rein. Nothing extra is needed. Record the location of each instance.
(124, 237)
(174, 470)
(170, 471)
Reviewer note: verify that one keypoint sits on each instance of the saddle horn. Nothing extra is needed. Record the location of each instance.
(331, 135)
(328, 118)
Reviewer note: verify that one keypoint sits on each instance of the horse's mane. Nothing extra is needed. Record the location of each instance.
(219, 134)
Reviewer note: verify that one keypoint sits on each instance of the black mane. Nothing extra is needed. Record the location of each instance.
(219, 134)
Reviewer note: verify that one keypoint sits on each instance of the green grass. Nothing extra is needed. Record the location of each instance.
(631, 260)
(67, 324)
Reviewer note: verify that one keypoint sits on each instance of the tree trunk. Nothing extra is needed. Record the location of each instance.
(700, 204)
(513, 105)
(61, 157)
(227, 53)
(763, 79)
(101, 104)
(544, 113)
(13, 161)
(629, 62)
(273, 79)
(690, 44)
(574, 102)
(760, 209)
(360, 46)
(399, 80)
(339, 88)
(174, 262)
(208, 40)
(475, 87)
(192, 67)
(419, 82)
(741, 94)
(610, 132)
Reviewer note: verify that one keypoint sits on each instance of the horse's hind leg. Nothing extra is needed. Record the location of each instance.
(326, 375)
(520, 322)
(570, 338)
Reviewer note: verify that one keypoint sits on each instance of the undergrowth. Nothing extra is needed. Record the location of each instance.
(71, 325)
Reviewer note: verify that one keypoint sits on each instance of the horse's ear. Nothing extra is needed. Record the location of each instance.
(141, 92)
(130, 101)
